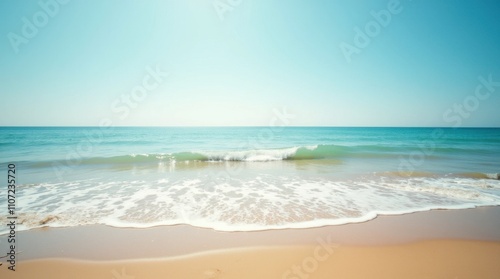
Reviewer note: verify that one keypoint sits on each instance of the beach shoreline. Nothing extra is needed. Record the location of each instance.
(171, 250)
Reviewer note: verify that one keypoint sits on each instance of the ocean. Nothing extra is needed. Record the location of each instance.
(243, 178)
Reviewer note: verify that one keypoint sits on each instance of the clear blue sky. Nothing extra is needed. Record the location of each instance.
(233, 67)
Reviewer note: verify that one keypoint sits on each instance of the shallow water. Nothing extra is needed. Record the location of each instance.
(245, 178)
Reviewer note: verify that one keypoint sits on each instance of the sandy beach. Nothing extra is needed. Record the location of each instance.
(433, 244)
(241, 139)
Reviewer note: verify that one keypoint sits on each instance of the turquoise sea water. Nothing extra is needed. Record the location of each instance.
(245, 178)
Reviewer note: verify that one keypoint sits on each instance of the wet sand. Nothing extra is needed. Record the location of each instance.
(434, 244)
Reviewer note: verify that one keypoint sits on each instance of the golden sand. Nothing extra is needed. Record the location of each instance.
(458, 259)
(454, 244)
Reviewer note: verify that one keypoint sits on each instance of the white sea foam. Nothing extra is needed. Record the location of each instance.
(493, 175)
(230, 179)
(244, 204)
(252, 155)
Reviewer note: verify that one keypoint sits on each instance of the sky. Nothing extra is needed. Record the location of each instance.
(243, 62)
